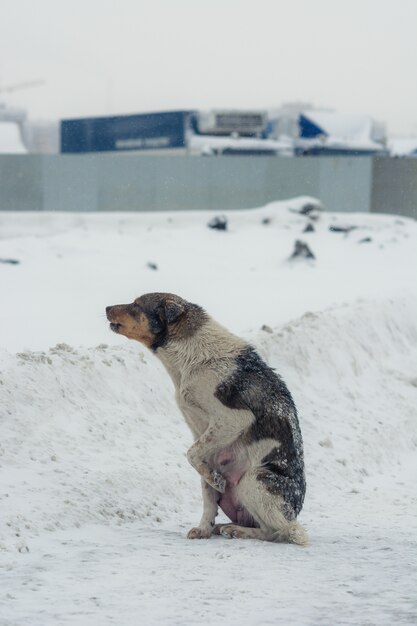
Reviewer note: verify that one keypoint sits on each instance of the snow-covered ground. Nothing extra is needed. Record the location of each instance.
(96, 494)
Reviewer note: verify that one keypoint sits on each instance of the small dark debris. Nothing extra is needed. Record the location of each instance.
(310, 210)
(266, 221)
(309, 228)
(218, 223)
(306, 209)
(365, 240)
(10, 261)
(152, 266)
(301, 251)
(341, 229)
(266, 328)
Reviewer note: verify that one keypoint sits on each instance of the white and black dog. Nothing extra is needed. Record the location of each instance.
(247, 441)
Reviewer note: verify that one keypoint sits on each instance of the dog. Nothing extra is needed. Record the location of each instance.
(247, 445)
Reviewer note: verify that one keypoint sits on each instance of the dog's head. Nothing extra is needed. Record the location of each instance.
(155, 318)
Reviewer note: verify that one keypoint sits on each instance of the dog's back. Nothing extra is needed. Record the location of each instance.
(255, 386)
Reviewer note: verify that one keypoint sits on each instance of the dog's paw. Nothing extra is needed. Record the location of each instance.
(199, 533)
(217, 529)
(230, 531)
(218, 482)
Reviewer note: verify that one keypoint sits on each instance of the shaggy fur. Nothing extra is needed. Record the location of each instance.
(247, 440)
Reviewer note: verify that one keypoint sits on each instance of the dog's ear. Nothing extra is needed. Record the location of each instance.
(157, 322)
(173, 311)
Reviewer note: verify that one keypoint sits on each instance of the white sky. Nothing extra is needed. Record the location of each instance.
(102, 57)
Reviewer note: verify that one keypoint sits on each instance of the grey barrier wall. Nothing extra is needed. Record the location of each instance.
(394, 186)
(138, 182)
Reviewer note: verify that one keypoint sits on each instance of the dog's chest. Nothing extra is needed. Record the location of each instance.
(195, 415)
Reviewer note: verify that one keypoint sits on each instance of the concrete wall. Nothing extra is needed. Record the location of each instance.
(394, 186)
(138, 182)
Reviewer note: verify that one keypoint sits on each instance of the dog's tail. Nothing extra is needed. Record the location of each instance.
(292, 532)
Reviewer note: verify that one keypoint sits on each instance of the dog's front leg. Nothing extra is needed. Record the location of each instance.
(210, 507)
(200, 453)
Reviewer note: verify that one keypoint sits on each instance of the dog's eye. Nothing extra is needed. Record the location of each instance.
(134, 310)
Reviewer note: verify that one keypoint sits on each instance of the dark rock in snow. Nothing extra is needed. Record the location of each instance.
(266, 328)
(341, 229)
(308, 208)
(152, 266)
(10, 261)
(266, 221)
(218, 223)
(365, 240)
(301, 251)
(311, 210)
(309, 228)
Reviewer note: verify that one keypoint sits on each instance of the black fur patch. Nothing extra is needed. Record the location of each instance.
(161, 335)
(254, 386)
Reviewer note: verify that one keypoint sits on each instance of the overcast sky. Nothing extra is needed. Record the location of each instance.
(102, 57)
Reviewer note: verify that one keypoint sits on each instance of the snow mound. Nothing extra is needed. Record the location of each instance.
(92, 435)
(352, 371)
